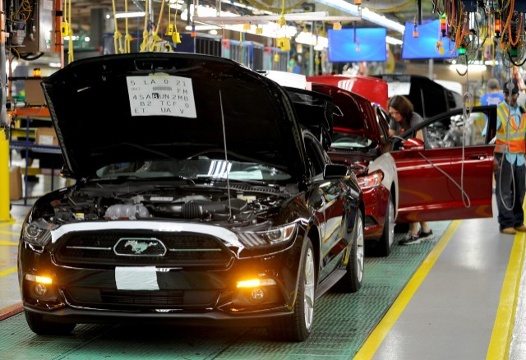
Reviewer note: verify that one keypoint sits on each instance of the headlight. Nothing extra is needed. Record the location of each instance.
(37, 233)
(269, 237)
(371, 180)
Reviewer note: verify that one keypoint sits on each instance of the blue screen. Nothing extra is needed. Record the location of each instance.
(424, 47)
(354, 45)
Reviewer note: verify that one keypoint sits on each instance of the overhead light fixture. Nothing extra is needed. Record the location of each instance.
(201, 27)
(365, 14)
(308, 38)
(271, 30)
(393, 41)
(471, 67)
(133, 14)
(229, 18)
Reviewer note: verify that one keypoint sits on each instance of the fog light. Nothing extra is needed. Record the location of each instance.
(258, 294)
(40, 289)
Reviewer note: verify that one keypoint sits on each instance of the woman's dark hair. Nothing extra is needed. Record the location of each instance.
(401, 104)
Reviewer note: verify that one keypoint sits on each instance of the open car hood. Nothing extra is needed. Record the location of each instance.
(118, 108)
(357, 114)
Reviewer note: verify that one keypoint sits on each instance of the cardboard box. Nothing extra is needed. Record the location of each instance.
(46, 136)
(34, 93)
(15, 183)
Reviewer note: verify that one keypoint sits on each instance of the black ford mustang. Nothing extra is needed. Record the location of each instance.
(200, 197)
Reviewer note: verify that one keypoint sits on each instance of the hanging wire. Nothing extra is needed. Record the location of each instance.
(117, 36)
(145, 31)
(127, 38)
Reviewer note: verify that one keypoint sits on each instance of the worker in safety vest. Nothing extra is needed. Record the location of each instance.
(509, 161)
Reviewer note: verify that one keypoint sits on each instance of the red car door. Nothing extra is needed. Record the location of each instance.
(450, 174)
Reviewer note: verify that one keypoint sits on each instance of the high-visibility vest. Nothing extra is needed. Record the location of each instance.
(510, 135)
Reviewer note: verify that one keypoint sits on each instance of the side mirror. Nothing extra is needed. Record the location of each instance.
(413, 144)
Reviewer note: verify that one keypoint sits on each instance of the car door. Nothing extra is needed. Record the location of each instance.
(329, 204)
(449, 175)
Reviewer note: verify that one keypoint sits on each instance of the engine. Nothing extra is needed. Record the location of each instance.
(87, 204)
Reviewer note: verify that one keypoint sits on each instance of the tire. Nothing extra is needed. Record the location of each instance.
(39, 326)
(298, 326)
(386, 241)
(352, 280)
(402, 228)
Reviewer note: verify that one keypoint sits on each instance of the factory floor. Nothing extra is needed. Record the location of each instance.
(458, 296)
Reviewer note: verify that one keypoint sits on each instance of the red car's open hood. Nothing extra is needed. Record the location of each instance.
(358, 116)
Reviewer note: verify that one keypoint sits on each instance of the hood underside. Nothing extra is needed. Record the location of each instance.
(145, 106)
(357, 114)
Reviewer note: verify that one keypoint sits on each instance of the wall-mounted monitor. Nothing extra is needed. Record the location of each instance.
(424, 47)
(355, 45)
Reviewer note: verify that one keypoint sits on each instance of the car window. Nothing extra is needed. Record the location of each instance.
(383, 123)
(194, 168)
(455, 128)
(350, 142)
(456, 131)
(317, 157)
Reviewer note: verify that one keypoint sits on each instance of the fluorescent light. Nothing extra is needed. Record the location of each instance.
(471, 67)
(382, 20)
(393, 41)
(201, 27)
(364, 13)
(229, 18)
(132, 14)
(271, 30)
(309, 38)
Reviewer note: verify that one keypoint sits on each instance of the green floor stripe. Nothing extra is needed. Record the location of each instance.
(343, 323)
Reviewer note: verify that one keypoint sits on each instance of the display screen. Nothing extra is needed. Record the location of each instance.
(424, 47)
(354, 45)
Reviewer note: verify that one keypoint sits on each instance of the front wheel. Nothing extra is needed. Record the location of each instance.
(297, 327)
(352, 280)
(387, 239)
(39, 326)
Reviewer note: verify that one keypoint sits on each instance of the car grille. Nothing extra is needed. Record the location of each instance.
(127, 300)
(113, 247)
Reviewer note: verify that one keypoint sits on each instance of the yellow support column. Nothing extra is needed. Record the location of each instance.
(4, 138)
(4, 177)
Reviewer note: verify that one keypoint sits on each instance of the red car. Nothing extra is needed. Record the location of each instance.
(444, 180)
(429, 181)
(360, 140)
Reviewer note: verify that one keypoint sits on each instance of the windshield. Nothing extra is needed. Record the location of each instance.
(350, 142)
(195, 169)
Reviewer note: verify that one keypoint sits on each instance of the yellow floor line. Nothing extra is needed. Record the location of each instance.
(499, 345)
(374, 340)
(8, 243)
(504, 321)
(7, 271)
(7, 222)
(9, 233)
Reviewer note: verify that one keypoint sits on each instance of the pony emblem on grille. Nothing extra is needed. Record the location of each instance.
(140, 247)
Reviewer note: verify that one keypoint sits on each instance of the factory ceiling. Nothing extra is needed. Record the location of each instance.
(397, 10)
